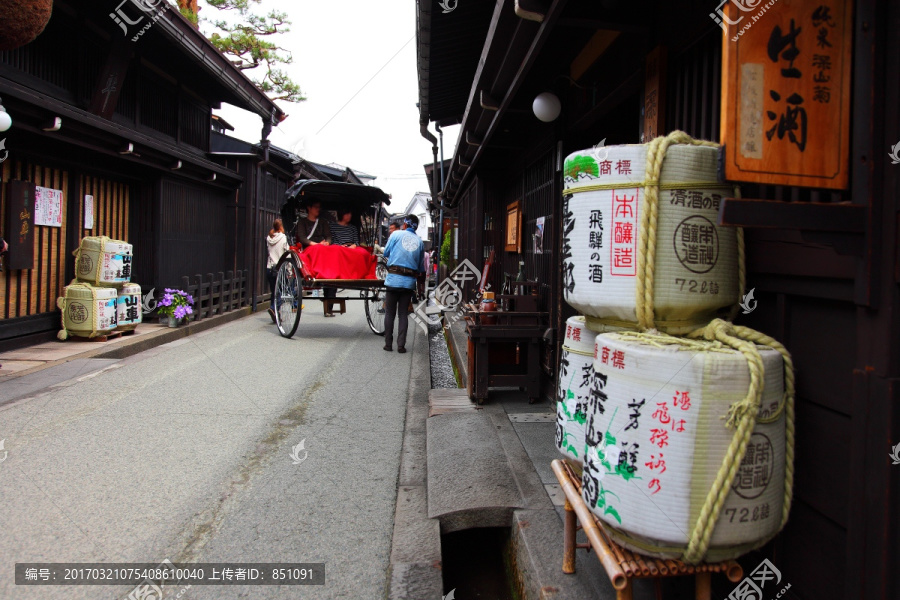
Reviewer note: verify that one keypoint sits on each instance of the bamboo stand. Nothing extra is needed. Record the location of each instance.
(622, 565)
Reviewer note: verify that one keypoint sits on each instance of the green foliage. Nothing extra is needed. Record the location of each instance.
(581, 164)
(189, 15)
(447, 248)
(243, 40)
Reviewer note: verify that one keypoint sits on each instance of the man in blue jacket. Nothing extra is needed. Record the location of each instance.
(405, 255)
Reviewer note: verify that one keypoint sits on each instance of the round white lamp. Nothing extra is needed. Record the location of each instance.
(5, 119)
(546, 107)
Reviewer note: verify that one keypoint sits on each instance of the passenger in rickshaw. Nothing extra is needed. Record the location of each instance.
(405, 262)
(312, 230)
(342, 232)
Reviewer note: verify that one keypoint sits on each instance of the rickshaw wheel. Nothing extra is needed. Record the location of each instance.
(381, 268)
(288, 299)
(374, 301)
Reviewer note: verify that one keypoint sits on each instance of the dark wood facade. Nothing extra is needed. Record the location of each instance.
(127, 121)
(825, 264)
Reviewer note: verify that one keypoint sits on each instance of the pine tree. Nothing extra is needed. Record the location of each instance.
(245, 43)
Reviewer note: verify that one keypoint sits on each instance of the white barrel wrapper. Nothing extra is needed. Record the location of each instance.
(128, 307)
(696, 271)
(576, 369)
(656, 438)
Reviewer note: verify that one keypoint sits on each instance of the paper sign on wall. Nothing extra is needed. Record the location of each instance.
(88, 211)
(47, 207)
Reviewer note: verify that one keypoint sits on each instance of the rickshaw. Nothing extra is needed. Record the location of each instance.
(294, 277)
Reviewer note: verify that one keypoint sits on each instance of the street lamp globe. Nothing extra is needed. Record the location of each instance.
(5, 119)
(546, 107)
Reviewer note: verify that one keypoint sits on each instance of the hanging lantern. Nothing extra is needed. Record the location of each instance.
(21, 21)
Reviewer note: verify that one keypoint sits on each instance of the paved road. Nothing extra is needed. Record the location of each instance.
(183, 452)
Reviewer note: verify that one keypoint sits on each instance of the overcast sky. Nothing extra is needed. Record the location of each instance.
(338, 45)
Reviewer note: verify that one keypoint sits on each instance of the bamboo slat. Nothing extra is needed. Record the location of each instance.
(632, 564)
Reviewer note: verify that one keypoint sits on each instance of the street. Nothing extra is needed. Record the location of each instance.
(185, 452)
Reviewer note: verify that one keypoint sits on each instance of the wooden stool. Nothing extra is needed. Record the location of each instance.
(622, 565)
(328, 306)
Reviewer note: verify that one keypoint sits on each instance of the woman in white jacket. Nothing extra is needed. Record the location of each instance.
(278, 245)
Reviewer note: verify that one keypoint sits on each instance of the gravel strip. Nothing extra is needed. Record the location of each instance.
(441, 367)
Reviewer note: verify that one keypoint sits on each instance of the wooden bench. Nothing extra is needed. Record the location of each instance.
(622, 565)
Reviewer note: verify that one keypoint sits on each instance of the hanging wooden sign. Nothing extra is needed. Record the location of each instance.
(20, 225)
(786, 70)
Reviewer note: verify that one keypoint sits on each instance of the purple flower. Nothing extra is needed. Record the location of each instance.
(189, 310)
(190, 299)
(166, 300)
(180, 312)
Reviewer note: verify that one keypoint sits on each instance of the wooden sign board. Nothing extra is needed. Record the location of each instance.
(514, 227)
(20, 225)
(654, 94)
(786, 93)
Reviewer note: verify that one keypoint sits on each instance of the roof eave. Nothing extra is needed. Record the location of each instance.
(197, 47)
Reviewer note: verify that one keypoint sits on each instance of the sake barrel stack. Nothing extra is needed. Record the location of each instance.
(692, 271)
(87, 311)
(576, 369)
(128, 307)
(657, 437)
(103, 261)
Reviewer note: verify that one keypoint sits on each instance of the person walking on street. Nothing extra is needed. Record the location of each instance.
(405, 255)
(278, 245)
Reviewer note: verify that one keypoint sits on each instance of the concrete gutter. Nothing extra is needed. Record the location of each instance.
(414, 572)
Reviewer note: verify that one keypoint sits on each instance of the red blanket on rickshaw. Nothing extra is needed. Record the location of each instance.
(339, 262)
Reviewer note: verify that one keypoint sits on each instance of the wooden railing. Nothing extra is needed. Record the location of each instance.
(215, 295)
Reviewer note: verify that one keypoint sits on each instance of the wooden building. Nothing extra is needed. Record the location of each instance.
(824, 261)
(112, 107)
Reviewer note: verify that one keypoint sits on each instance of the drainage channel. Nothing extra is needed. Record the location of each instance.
(477, 564)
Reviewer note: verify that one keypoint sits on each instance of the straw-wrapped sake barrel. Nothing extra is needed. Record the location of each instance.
(695, 268)
(656, 438)
(128, 307)
(87, 311)
(576, 369)
(103, 261)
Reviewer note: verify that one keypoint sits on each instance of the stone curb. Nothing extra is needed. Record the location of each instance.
(131, 346)
(414, 572)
